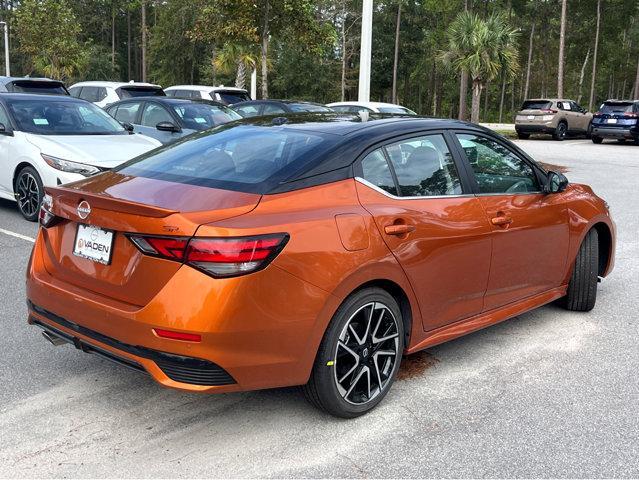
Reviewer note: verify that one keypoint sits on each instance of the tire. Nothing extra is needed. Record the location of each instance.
(523, 136)
(596, 139)
(339, 381)
(621, 140)
(560, 131)
(29, 192)
(582, 289)
(589, 131)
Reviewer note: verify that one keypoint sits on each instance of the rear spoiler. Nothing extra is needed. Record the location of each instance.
(66, 201)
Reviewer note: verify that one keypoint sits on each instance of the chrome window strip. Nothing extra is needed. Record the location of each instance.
(461, 195)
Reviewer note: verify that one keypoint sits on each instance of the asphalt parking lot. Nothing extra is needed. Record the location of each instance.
(550, 393)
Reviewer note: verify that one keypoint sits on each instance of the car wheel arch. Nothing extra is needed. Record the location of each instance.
(605, 246)
(21, 165)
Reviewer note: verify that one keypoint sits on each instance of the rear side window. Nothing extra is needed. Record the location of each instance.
(75, 91)
(272, 109)
(396, 110)
(616, 107)
(93, 94)
(424, 167)
(129, 92)
(536, 105)
(239, 157)
(375, 170)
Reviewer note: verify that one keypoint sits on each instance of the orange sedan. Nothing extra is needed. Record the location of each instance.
(310, 250)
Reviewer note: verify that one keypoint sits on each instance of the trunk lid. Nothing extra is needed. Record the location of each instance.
(125, 204)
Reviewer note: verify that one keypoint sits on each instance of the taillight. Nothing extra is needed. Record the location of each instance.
(171, 248)
(548, 110)
(46, 217)
(220, 257)
(631, 114)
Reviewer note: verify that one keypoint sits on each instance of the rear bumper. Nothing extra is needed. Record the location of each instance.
(524, 128)
(253, 334)
(181, 369)
(608, 132)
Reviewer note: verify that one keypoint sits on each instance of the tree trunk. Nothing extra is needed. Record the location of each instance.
(264, 53)
(581, 76)
(143, 29)
(530, 50)
(636, 92)
(486, 100)
(562, 42)
(240, 77)
(343, 84)
(463, 92)
(128, 43)
(395, 61)
(594, 59)
(112, 38)
(474, 111)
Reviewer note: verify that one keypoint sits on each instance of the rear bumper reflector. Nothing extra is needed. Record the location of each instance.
(194, 371)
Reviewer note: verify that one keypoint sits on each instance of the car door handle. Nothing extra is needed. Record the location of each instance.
(501, 220)
(400, 229)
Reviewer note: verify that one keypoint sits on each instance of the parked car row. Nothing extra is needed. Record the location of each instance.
(61, 136)
(615, 119)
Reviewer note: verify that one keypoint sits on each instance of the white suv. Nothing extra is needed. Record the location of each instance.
(106, 93)
(222, 94)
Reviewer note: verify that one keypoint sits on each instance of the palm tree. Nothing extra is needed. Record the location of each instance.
(236, 57)
(482, 47)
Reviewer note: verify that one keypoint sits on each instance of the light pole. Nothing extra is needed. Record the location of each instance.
(6, 49)
(364, 93)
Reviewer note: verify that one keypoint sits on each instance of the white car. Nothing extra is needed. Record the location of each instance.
(225, 95)
(49, 140)
(371, 107)
(104, 94)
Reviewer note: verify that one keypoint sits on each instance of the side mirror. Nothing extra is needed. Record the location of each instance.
(127, 126)
(167, 127)
(556, 183)
(5, 131)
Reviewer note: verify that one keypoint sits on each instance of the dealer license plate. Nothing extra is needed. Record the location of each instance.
(94, 243)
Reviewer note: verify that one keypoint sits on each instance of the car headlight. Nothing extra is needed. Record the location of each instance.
(69, 166)
(547, 118)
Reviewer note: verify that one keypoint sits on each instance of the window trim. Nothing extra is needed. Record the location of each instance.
(464, 180)
(541, 179)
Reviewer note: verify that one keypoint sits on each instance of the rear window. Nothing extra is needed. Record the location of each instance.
(240, 157)
(616, 107)
(34, 86)
(536, 105)
(129, 92)
(230, 97)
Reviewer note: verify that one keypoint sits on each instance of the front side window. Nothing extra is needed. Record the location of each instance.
(271, 109)
(308, 107)
(375, 170)
(126, 112)
(154, 114)
(424, 167)
(62, 118)
(497, 169)
(200, 116)
(247, 110)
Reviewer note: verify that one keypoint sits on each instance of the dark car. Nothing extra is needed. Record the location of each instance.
(257, 108)
(168, 119)
(618, 119)
(45, 86)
